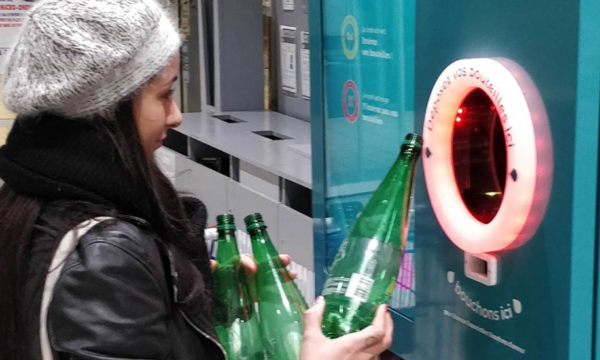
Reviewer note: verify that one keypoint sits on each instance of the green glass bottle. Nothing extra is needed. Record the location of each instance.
(366, 266)
(280, 303)
(235, 319)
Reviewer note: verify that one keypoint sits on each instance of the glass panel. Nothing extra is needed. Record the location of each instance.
(369, 95)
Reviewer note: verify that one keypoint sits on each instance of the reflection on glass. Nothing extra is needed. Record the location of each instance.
(341, 213)
(359, 153)
(479, 156)
(403, 296)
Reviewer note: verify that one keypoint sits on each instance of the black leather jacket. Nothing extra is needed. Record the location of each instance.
(124, 295)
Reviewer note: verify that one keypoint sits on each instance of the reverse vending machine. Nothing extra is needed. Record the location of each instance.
(501, 261)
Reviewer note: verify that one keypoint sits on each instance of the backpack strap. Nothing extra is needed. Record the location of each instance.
(65, 248)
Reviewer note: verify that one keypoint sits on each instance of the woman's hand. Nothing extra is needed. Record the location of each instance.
(250, 265)
(364, 345)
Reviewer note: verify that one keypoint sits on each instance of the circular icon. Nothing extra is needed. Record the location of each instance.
(350, 37)
(350, 101)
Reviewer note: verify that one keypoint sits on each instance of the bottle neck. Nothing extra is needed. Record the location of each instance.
(227, 250)
(226, 235)
(261, 240)
(385, 216)
(409, 155)
(259, 233)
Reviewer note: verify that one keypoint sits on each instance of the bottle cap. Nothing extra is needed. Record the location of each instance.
(413, 140)
(226, 222)
(254, 221)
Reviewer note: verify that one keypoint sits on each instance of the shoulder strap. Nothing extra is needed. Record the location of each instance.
(65, 248)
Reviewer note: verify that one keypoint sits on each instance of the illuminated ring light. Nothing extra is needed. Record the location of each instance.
(508, 229)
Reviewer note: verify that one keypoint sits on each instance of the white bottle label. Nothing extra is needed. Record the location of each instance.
(359, 287)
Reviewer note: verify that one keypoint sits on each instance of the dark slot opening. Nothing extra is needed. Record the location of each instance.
(229, 119)
(479, 266)
(210, 157)
(271, 135)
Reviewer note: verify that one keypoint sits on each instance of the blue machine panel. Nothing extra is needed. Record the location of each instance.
(374, 65)
(457, 316)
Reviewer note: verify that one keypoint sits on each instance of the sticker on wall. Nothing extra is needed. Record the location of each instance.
(350, 101)
(305, 65)
(185, 18)
(487, 155)
(288, 5)
(350, 42)
(289, 77)
(12, 16)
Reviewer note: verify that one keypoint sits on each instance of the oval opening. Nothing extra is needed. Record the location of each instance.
(479, 155)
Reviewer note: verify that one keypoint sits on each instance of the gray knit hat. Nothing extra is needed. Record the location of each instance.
(78, 57)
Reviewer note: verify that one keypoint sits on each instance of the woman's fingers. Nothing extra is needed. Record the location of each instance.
(285, 259)
(248, 263)
(388, 338)
(313, 318)
(374, 338)
(250, 266)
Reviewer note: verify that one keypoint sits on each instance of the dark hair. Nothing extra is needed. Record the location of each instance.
(19, 213)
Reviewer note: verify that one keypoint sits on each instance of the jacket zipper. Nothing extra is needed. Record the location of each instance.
(204, 334)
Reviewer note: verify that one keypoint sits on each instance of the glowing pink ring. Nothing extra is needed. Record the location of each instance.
(509, 228)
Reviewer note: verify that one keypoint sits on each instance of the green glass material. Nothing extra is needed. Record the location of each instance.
(235, 319)
(281, 305)
(366, 266)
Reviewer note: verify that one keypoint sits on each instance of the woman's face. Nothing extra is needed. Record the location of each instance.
(154, 109)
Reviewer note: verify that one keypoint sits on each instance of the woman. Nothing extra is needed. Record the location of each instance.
(92, 84)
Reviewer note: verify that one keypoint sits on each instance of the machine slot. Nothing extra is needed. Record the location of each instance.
(482, 268)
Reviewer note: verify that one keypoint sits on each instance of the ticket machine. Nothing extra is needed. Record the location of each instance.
(502, 259)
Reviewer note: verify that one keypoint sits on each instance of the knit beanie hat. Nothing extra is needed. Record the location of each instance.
(78, 57)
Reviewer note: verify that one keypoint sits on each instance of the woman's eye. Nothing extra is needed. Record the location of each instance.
(169, 94)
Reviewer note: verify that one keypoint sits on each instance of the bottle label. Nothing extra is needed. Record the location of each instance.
(358, 263)
(335, 285)
(359, 287)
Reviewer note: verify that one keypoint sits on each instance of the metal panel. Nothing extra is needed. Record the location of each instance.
(296, 236)
(174, 166)
(208, 186)
(243, 201)
(238, 55)
(231, 59)
(260, 180)
(196, 180)
(240, 141)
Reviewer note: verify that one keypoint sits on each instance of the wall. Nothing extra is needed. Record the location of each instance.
(294, 106)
